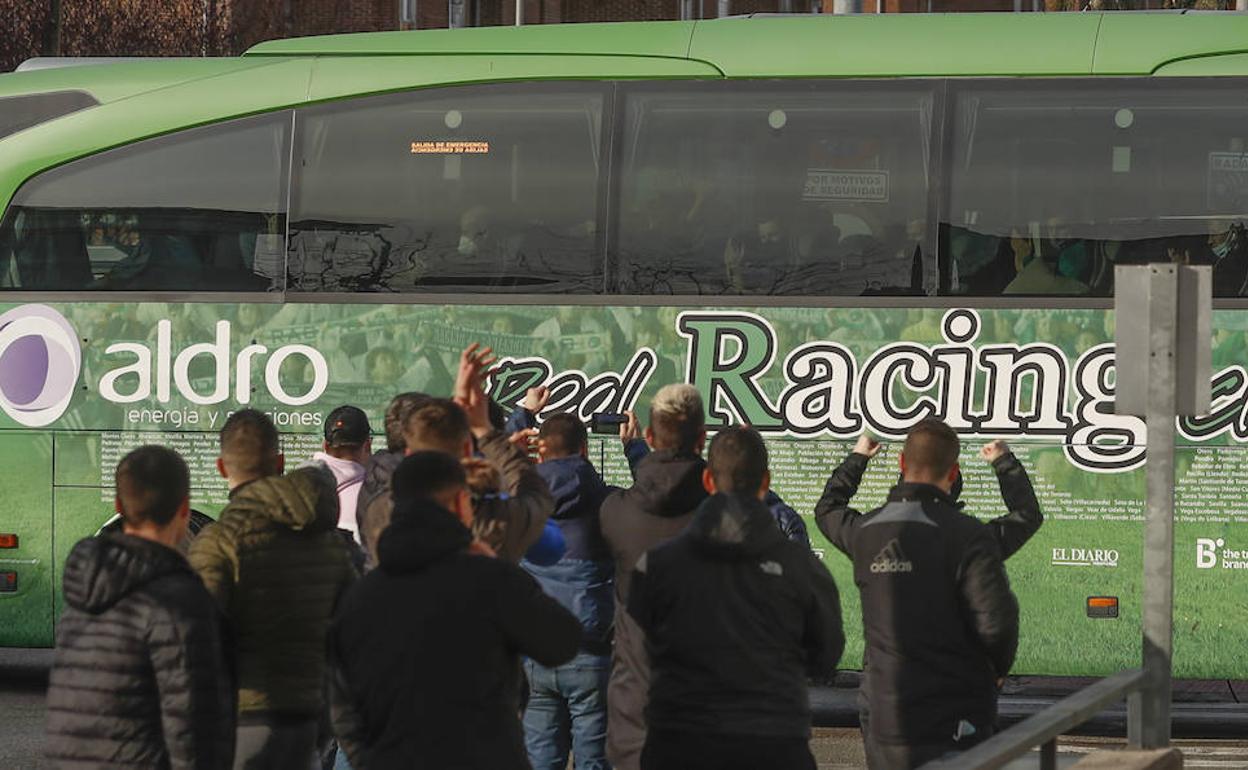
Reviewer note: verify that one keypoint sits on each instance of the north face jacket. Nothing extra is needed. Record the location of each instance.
(277, 566)
(736, 617)
(425, 651)
(667, 488)
(939, 619)
(140, 676)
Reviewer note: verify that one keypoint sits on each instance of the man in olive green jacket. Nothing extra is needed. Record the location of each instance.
(276, 566)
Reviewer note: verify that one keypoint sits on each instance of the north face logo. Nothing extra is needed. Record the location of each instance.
(891, 559)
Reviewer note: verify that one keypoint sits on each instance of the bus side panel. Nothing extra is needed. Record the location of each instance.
(82, 504)
(26, 511)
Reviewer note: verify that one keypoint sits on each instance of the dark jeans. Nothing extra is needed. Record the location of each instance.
(691, 751)
(567, 708)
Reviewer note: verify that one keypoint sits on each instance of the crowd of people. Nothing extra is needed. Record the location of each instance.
(474, 595)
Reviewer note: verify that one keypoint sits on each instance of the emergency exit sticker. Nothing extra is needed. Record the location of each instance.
(440, 147)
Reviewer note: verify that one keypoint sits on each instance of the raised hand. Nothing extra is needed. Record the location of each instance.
(535, 399)
(867, 446)
(474, 367)
(630, 428)
(993, 450)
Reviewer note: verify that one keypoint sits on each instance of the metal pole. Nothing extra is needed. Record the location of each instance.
(455, 14)
(1148, 722)
(519, 12)
(725, 7)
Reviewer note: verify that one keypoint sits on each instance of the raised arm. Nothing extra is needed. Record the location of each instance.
(1015, 528)
(833, 514)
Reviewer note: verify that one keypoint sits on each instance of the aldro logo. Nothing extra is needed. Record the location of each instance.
(40, 360)
(891, 559)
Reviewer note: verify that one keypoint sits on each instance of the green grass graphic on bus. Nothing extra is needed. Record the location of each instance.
(810, 378)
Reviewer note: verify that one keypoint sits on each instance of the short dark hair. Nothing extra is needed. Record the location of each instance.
(738, 461)
(427, 475)
(152, 483)
(931, 448)
(677, 418)
(563, 434)
(440, 424)
(249, 443)
(400, 408)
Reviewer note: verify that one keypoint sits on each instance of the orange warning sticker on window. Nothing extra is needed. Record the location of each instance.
(450, 148)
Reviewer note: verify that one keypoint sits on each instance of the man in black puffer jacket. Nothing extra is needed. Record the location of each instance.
(736, 617)
(140, 676)
(424, 651)
(940, 621)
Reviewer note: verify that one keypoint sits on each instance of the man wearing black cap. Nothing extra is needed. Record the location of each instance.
(348, 445)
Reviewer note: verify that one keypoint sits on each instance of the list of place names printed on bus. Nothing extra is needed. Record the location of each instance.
(200, 450)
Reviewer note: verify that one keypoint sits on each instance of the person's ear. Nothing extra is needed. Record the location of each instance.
(117, 503)
(585, 451)
(221, 468)
(901, 463)
(281, 464)
(648, 434)
(762, 490)
(708, 481)
(953, 474)
(184, 509)
(325, 446)
(701, 443)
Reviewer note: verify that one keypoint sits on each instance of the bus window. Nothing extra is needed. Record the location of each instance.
(770, 188)
(200, 210)
(1053, 184)
(456, 189)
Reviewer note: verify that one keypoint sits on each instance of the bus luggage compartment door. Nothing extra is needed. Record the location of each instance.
(26, 567)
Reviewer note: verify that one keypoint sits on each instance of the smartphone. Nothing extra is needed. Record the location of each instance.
(606, 423)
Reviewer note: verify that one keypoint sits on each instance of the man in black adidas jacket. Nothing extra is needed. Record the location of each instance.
(940, 621)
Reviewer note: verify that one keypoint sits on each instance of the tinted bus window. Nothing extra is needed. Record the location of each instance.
(200, 210)
(775, 188)
(1053, 184)
(461, 189)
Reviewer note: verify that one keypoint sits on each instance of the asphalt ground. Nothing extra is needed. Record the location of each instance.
(23, 681)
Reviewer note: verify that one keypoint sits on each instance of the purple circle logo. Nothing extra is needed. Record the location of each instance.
(40, 360)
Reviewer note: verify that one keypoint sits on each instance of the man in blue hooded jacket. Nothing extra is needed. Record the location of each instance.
(567, 707)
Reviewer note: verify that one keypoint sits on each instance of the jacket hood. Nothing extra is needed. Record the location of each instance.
(668, 484)
(421, 532)
(304, 499)
(577, 488)
(734, 526)
(909, 490)
(103, 570)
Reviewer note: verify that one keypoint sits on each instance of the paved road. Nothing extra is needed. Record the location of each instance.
(23, 679)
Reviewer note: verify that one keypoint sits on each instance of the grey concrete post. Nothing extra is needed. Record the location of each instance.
(1148, 723)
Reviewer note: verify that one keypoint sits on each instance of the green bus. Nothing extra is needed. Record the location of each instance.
(828, 224)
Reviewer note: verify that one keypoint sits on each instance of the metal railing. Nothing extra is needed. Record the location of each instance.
(1043, 728)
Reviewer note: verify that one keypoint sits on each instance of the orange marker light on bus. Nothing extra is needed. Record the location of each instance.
(1102, 606)
(8, 540)
(8, 582)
